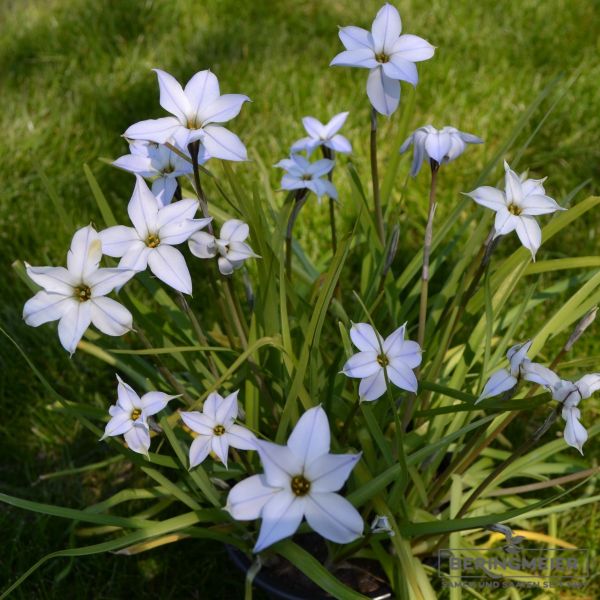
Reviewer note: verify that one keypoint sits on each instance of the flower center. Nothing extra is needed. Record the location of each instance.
(513, 209)
(83, 293)
(219, 430)
(383, 360)
(136, 413)
(382, 57)
(306, 177)
(152, 240)
(300, 485)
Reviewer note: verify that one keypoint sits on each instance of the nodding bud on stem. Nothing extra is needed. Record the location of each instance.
(587, 320)
(389, 259)
(434, 164)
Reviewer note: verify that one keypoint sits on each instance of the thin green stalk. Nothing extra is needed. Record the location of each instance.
(375, 179)
(330, 154)
(299, 201)
(193, 149)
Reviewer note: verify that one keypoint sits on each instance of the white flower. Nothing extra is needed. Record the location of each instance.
(516, 207)
(158, 163)
(395, 355)
(391, 57)
(323, 135)
(504, 380)
(229, 245)
(442, 146)
(300, 480)
(301, 174)
(216, 429)
(569, 394)
(76, 296)
(156, 229)
(195, 111)
(130, 416)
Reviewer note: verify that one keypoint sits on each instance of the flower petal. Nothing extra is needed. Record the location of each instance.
(363, 58)
(354, 38)
(517, 355)
(386, 28)
(136, 163)
(136, 257)
(281, 516)
(412, 48)
(311, 436)
(333, 517)
(227, 409)
(339, 143)
(329, 472)
(365, 338)
(104, 281)
(335, 124)
(199, 450)
(55, 280)
(127, 397)
(199, 422)
(220, 447)
(505, 222)
(45, 307)
(247, 498)
(138, 438)
(537, 204)
(117, 240)
(110, 317)
(234, 230)
(222, 143)
(437, 145)
(279, 462)
(529, 233)
(211, 404)
(589, 384)
(168, 264)
(155, 130)
(372, 387)
(362, 364)
(85, 253)
(314, 127)
(401, 375)
(222, 109)
(514, 192)
(154, 402)
(241, 438)
(172, 96)
(488, 196)
(143, 209)
(399, 68)
(164, 189)
(201, 90)
(383, 92)
(118, 425)
(575, 434)
(500, 381)
(537, 373)
(202, 244)
(73, 324)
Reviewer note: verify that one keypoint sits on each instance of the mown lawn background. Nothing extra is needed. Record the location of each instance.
(75, 74)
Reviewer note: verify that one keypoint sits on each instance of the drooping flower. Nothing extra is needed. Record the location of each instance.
(300, 480)
(517, 207)
(441, 146)
(395, 355)
(389, 56)
(569, 394)
(157, 163)
(130, 416)
(302, 174)
(504, 380)
(216, 429)
(323, 135)
(230, 245)
(76, 296)
(156, 229)
(196, 111)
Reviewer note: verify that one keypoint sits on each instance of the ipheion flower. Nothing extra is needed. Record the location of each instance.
(323, 135)
(129, 416)
(76, 296)
(517, 206)
(196, 111)
(216, 429)
(302, 174)
(230, 246)
(441, 146)
(156, 229)
(394, 355)
(300, 481)
(389, 56)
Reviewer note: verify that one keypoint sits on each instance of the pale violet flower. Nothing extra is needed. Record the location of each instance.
(517, 207)
(196, 111)
(300, 480)
(441, 146)
(395, 355)
(157, 163)
(302, 174)
(323, 135)
(76, 296)
(216, 429)
(156, 229)
(389, 56)
(381, 524)
(130, 416)
(504, 380)
(230, 245)
(569, 394)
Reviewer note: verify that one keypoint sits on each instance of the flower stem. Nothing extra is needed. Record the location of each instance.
(194, 149)
(426, 254)
(375, 178)
(235, 312)
(299, 201)
(329, 154)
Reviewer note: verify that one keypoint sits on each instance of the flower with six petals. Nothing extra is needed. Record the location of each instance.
(300, 480)
(323, 135)
(76, 296)
(302, 174)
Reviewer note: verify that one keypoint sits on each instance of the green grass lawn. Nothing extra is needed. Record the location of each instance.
(74, 74)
